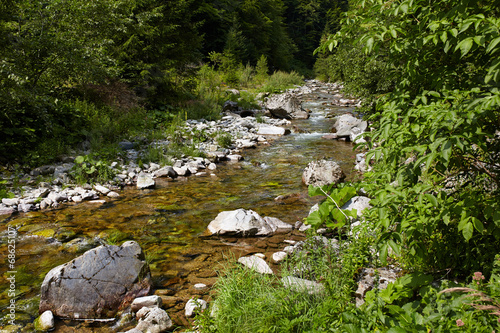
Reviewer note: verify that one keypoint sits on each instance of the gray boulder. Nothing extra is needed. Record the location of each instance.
(323, 172)
(97, 284)
(348, 126)
(286, 106)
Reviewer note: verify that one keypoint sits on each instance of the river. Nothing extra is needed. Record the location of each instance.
(167, 221)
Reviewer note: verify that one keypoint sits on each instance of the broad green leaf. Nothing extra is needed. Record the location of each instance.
(446, 150)
(432, 199)
(465, 46)
(492, 46)
(395, 247)
(383, 253)
(467, 231)
(79, 159)
(314, 219)
(478, 225)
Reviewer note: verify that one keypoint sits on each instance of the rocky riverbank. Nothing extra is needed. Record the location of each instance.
(50, 186)
(194, 276)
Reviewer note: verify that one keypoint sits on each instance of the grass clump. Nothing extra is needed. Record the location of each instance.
(247, 301)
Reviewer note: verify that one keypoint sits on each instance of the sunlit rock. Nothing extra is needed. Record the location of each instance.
(97, 284)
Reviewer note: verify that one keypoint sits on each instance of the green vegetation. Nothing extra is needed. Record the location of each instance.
(97, 72)
(429, 73)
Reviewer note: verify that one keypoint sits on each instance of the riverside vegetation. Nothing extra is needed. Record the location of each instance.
(429, 73)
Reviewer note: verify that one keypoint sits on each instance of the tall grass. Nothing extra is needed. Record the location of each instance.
(246, 301)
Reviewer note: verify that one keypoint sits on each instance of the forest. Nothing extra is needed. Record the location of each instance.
(69, 67)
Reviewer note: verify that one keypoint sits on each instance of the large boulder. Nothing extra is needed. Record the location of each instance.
(286, 106)
(322, 172)
(97, 284)
(348, 126)
(244, 223)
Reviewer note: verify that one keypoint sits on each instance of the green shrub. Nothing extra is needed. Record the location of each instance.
(280, 81)
(87, 169)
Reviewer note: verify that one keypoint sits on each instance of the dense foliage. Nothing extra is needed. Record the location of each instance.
(72, 71)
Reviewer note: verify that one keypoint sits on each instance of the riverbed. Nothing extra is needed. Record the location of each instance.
(168, 221)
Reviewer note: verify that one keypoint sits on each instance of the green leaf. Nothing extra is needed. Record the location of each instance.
(383, 253)
(492, 45)
(467, 231)
(314, 219)
(478, 225)
(446, 150)
(465, 46)
(79, 159)
(395, 247)
(432, 199)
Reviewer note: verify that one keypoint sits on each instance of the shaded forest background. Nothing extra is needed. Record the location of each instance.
(67, 67)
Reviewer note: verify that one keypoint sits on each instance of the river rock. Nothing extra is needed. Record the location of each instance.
(360, 203)
(264, 129)
(4, 210)
(96, 284)
(102, 189)
(240, 222)
(167, 171)
(192, 305)
(277, 225)
(153, 320)
(302, 285)
(348, 126)
(146, 301)
(367, 281)
(287, 106)
(279, 256)
(145, 181)
(10, 202)
(256, 263)
(45, 322)
(322, 172)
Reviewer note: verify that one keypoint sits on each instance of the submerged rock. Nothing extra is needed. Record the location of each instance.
(97, 284)
(45, 322)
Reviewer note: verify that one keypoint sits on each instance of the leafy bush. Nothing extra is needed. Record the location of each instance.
(435, 175)
(89, 170)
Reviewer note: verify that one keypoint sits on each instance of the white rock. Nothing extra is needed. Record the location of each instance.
(146, 301)
(260, 255)
(239, 222)
(45, 322)
(256, 263)
(200, 286)
(113, 194)
(279, 256)
(153, 320)
(101, 189)
(192, 305)
(145, 181)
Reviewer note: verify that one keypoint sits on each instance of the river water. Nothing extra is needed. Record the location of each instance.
(167, 222)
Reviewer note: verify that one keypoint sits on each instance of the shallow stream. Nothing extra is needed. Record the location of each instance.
(167, 222)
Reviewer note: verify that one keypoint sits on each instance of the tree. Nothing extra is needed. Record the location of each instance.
(436, 176)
